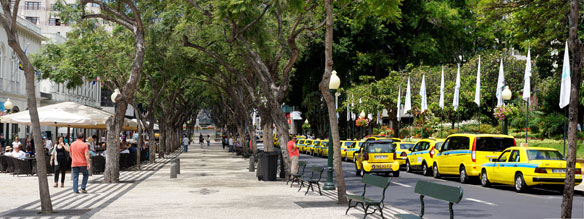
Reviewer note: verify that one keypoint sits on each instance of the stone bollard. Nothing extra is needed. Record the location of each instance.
(177, 161)
(173, 170)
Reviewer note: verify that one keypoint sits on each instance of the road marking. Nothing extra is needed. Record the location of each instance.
(480, 201)
(401, 184)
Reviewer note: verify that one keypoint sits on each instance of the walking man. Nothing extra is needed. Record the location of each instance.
(293, 153)
(185, 142)
(80, 162)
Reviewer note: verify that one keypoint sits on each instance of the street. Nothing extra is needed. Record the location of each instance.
(497, 201)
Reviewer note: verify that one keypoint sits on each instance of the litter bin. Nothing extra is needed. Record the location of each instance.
(269, 166)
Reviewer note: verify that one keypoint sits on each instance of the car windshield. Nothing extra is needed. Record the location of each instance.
(494, 143)
(315, 142)
(381, 147)
(324, 143)
(360, 143)
(301, 142)
(438, 145)
(406, 146)
(348, 143)
(544, 155)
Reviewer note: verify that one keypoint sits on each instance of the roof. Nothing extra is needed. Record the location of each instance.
(536, 148)
(482, 135)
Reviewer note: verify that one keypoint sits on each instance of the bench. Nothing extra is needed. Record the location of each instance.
(315, 176)
(447, 193)
(296, 177)
(371, 180)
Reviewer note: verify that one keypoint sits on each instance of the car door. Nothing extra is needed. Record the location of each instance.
(420, 152)
(359, 161)
(446, 156)
(459, 146)
(498, 170)
(507, 174)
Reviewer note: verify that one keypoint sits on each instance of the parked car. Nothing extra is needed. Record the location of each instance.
(525, 167)
(377, 156)
(344, 146)
(300, 144)
(464, 154)
(421, 156)
(354, 150)
(307, 143)
(402, 149)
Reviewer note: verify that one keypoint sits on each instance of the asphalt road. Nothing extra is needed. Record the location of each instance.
(498, 201)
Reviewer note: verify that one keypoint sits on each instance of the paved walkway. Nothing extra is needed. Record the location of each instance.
(212, 184)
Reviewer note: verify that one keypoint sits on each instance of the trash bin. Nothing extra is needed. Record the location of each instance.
(269, 166)
(259, 172)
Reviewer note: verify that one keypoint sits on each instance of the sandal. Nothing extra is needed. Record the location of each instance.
(56, 185)
(62, 185)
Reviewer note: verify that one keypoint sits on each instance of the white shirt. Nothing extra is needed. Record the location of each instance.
(20, 154)
(231, 141)
(125, 151)
(185, 141)
(48, 144)
(14, 143)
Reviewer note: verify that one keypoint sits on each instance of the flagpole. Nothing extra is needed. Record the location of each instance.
(566, 115)
(479, 117)
(458, 120)
(527, 121)
(441, 122)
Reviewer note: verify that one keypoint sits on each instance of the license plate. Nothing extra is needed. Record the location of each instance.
(381, 166)
(558, 170)
(380, 157)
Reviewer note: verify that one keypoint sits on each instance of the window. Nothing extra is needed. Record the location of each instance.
(457, 143)
(406, 146)
(514, 156)
(494, 144)
(32, 5)
(381, 147)
(503, 157)
(438, 145)
(544, 155)
(34, 20)
(54, 22)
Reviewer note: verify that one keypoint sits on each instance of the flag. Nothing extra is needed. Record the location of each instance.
(500, 85)
(441, 103)
(477, 99)
(399, 104)
(455, 101)
(424, 104)
(348, 113)
(408, 103)
(527, 78)
(566, 80)
(378, 117)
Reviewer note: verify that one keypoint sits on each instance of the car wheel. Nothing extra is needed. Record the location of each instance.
(354, 159)
(520, 185)
(463, 176)
(357, 171)
(343, 158)
(484, 180)
(408, 168)
(425, 171)
(363, 172)
(435, 171)
(396, 174)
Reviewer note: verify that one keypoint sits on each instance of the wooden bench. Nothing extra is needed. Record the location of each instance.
(315, 176)
(447, 193)
(371, 180)
(296, 177)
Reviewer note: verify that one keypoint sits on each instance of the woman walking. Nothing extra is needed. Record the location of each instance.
(59, 159)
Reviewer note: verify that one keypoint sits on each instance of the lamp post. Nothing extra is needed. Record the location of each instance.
(506, 97)
(361, 116)
(306, 131)
(8, 106)
(334, 84)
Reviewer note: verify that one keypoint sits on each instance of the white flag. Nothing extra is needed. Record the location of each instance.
(399, 104)
(370, 116)
(441, 103)
(500, 85)
(477, 99)
(455, 101)
(566, 80)
(348, 113)
(527, 78)
(378, 117)
(424, 103)
(353, 115)
(408, 103)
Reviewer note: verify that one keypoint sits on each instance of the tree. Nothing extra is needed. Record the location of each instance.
(8, 19)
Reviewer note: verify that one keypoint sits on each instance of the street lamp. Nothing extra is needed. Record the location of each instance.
(334, 84)
(306, 131)
(8, 105)
(506, 97)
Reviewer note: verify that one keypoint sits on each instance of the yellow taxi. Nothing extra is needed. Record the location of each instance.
(312, 148)
(304, 148)
(344, 146)
(353, 150)
(382, 137)
(464, 154)
(377, 156)
(524, 167)
(300, 143)
(276, 142)
(402, 149)
(421, 156)
(324, 148)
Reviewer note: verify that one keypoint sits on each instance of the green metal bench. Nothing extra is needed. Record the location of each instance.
(296, 177)
(447, 193)
(315, 176)
(371, 180)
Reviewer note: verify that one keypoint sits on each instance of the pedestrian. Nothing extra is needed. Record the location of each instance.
(201, 140)
(224, 141)
(208, 140)
(185, 142)
(231, 144)
(80, 162)
(293, 153)
(16, 142)
(48, 143)
(59, 156)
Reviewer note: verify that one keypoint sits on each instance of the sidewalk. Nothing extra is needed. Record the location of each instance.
(213, 184)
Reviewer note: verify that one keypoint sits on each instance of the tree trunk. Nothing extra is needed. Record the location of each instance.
(254, 148)
(162, 138)
(114, 128)
(330, 102)
(268, 134)
(283, 136)
(139, 146)
(576, 71)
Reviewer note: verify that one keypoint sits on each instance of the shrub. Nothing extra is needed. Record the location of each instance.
(553, 126)
(404, 132)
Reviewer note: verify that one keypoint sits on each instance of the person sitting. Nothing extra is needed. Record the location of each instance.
(124, 148)
(29, 150)
(17, 153)
(104, 152)
(16, 142)
(7, 151)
